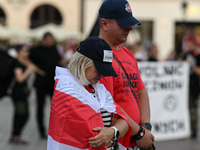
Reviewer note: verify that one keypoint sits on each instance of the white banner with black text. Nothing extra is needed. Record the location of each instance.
(167, 87)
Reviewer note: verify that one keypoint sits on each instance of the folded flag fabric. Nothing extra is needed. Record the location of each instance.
(75, 112)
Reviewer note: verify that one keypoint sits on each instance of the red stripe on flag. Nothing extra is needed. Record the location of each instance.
(72, 124)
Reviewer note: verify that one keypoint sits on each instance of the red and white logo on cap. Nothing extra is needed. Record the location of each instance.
(128, 7)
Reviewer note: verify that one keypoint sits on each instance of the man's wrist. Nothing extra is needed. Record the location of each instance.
(139, 134)
(146, 125)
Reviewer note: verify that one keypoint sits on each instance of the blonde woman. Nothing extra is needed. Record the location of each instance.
(82, 110)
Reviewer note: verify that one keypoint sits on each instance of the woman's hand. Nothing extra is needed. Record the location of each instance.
(103, 138)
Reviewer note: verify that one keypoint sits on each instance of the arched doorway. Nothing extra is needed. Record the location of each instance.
(45, 14)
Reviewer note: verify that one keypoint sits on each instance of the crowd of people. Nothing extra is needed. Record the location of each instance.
(82, 80)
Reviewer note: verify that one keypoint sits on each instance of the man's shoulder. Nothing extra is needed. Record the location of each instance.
(126, 51)
(123, 48)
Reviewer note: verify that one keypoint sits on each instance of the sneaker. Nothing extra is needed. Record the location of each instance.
(17, 141)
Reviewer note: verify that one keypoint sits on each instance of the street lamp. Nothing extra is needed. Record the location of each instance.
(184, 8)
(184, 24)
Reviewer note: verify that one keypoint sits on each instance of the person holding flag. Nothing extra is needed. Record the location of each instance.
(83, 113)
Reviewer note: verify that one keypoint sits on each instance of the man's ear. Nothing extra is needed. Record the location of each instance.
(104, 24)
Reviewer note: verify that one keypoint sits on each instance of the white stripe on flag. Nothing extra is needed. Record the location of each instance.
(54, 145)
(121, 147)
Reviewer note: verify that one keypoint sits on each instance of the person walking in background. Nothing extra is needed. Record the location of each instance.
(116, 23)
(171, 56)
(46, 57)
(7, 74)
(153, 53)
(20, 92)
(69, 48)
(83, 113)
(192, 56)
(137, 50)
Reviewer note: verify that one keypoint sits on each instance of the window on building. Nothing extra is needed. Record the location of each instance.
(183, 29)
(140, 39)
(143, 33)
(2, 17)
(45, 14)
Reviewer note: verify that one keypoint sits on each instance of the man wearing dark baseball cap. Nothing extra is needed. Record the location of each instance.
(116, 21)
(119, 10)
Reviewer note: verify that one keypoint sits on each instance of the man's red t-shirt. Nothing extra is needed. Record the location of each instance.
(119, 87)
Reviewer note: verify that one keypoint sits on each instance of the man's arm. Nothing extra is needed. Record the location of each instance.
(195, 68)
(144, 106)
(146, 141)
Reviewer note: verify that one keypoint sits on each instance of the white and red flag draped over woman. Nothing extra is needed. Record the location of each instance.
(75, 112)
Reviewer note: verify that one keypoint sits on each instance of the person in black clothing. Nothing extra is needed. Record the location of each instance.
(20, 94)
(192, 56)
(6, 76)
(153, 53)
(46, 57)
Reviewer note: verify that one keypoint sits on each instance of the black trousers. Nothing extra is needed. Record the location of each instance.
(20, 116)
(193, 108)
(41, 95)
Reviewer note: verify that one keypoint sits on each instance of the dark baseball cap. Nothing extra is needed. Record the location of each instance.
(100, 52)
(120, 10)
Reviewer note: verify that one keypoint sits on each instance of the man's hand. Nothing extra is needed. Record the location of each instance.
(103, 138)
(152, 137)
(146, 141)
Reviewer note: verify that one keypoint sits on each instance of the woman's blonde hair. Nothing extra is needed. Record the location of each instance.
(78, 65)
